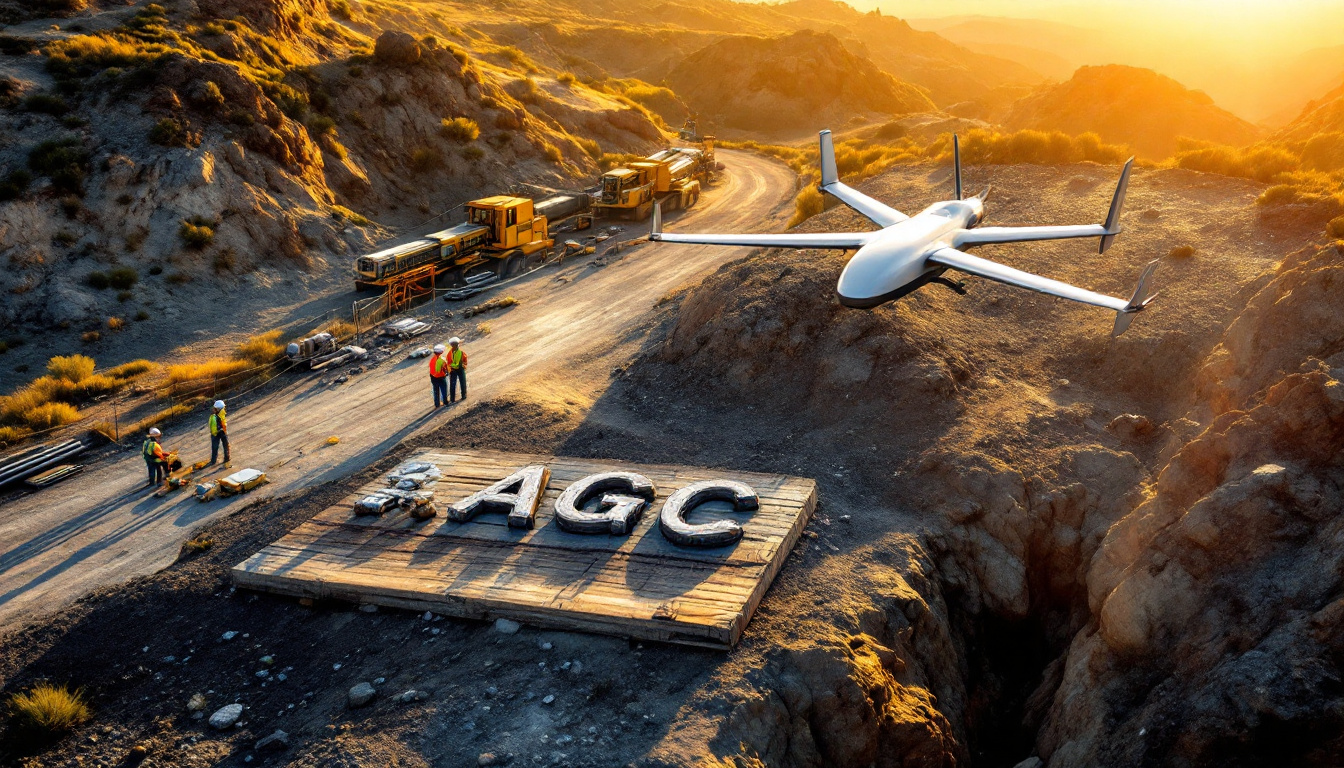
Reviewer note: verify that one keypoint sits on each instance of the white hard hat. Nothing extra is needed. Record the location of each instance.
(438, 349)
(219, 405)
(454, 340)
(154, 432)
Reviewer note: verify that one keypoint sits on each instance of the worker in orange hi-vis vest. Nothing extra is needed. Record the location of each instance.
(457, 369)
(438, 375)
(155, 459)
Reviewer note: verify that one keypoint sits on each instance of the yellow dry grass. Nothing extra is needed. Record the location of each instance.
(50, 415)
(260, 350)
(49, 709)
(72, 368)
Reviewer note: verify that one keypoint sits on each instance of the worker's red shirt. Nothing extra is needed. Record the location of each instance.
(438, 366)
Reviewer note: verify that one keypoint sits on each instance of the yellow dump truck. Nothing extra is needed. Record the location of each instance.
(502, 234)
(672, 177)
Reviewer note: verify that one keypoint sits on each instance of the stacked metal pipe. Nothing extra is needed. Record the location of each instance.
(36, 459)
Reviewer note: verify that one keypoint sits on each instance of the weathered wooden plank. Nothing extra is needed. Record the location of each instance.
(637, 585)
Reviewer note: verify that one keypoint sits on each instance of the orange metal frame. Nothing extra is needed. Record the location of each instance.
(406, 288)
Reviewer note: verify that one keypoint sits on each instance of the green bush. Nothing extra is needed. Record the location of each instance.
(322, 125)
(168, 133)
(62, 160)
(15, 184)
(98, 281)
(225, 260)
(122, 278)
(46, 103)
(426, 159)
(473, 152)
(461, 129)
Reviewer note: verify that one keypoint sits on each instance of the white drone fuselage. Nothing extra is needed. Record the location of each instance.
(909, 252)
(896, 262)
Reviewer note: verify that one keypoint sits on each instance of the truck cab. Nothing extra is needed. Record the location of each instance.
(617, 183)
(510, 220)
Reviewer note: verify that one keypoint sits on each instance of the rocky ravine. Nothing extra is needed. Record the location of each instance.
(1050, 575)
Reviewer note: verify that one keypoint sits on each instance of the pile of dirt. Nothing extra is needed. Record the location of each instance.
(803, 81)
(1132, 106)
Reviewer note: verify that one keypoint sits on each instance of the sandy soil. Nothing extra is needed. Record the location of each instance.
(103, 527)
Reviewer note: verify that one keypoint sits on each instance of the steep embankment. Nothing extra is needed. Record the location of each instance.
(803, 81)
(251, 142)
(1067, 547)
(1129, 105)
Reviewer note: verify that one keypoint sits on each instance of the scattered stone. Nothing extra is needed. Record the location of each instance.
(576, 667)
(546, 646)
(275, 742)
(507, 626)
(845, 518)
(490, 758)
(1129, 426)
(379, 680)
(196, 703)
(395, 48)
(336, 666)
(368, 608)
(267, 660)
(361, 694)
(550, 699)
(562, 740)
(428, 616)
(226, 716)
(228, 635)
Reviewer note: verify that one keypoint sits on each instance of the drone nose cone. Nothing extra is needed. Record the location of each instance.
(876, 275)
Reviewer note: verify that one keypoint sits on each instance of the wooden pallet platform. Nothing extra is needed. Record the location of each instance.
(639, 586)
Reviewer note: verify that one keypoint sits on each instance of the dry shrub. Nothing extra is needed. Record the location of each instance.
(425, 159)
(48, 709)
(72, 368)
(132, 370)
(186, 377)
(12, 435)
(51, 415)
(1336, 228)
(88, 53)
(90, 337)
(341, 329)
(199, 544)
(460, 129)
(807, 203)
(155, 419)
(260, 350)
(551, 152)
(484, 329)
(1181, 252)
(115, 323)
(1262, 163)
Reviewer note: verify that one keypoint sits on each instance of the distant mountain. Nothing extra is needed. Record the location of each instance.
(1129, 105)
(1324, 115)
(803, 81)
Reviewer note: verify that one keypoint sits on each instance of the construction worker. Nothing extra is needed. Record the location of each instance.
(457, 370)
(219, 433)
(155, 459)
(438, 375)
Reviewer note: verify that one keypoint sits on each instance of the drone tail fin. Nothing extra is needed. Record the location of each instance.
(1142, 297)
(956, 165)
(829, 173)
(1117, 205)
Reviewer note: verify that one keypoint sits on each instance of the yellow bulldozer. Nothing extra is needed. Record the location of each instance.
(672, 177)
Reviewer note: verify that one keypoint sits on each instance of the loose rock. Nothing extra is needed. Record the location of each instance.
(361, 694)
(226, 716)
(275, 742)
(507, 626)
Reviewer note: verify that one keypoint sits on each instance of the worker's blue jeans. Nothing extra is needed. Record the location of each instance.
(454, 377)
(157, 471)
(215, 441)
(440, 384)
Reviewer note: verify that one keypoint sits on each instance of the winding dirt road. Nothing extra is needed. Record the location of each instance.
(104, 528)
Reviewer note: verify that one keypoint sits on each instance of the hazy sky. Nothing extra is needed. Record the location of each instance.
(1276, 24)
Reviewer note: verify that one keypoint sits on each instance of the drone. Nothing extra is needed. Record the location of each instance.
(909, 252)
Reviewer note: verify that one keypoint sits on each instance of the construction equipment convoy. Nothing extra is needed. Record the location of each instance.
(672, 177)
(504, 234)
(501, 234)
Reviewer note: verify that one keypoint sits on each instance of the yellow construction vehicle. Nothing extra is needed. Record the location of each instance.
(501, 235)
(672, 177)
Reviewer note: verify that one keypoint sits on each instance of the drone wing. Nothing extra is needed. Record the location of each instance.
(838, 240)
(991, 270)
(989, 235)
(879, 213)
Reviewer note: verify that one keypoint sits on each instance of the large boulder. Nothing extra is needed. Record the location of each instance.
(397, 49)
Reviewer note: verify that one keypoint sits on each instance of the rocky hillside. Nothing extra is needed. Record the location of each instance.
(1129, 105)
(804, 81)
(246, 140)
(1322, 116)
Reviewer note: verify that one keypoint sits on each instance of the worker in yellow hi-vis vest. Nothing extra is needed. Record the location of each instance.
(155, 458)
(219, 433)
(457, 369)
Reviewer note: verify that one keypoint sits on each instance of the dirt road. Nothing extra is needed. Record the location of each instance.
(103, 527)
